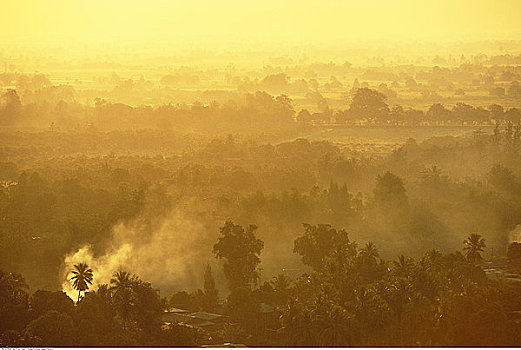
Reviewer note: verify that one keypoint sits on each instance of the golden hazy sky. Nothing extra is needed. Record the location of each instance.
(278, 21)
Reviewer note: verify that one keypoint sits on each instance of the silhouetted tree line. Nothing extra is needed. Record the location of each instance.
(369, 107)
(124, 313)
(350, 297)
(259, 111)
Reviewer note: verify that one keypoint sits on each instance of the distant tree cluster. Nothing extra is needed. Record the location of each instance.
(244, 111)
(369, 107)
(251, 112)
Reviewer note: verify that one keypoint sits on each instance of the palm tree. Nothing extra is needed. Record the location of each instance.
(474, 244)
(281, 285)
(432, 257)
(104, 293)
(281, 282)
(120, 279)
(403, 265)
(121, 284)
(82, 278)
(370, 251)
(103, 298)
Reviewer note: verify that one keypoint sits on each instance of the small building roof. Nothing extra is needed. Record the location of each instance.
(177, 311)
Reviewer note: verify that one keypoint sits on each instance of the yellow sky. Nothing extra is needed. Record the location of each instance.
(324, 21)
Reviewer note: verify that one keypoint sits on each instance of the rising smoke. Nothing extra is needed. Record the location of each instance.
(515, 235)
(172, 256)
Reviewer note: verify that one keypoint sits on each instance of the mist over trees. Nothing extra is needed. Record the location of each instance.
(313, 198)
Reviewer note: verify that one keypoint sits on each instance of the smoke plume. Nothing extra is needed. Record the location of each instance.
(172, 256)
(515, 235)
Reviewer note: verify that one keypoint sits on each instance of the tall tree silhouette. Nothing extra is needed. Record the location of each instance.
(402, 267)
(211, 299)
(121, 284)
(474, 244)
(82, 278)
(240, 249)
(369, 103)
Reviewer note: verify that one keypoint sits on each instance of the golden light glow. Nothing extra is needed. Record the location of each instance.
(325, 21)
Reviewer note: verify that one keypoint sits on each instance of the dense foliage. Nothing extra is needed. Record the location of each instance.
(215, 223)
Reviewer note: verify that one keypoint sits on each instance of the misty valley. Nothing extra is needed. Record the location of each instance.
(315, 198)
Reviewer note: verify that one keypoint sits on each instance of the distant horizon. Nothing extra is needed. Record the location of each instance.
(203, 22)
(252, 54)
